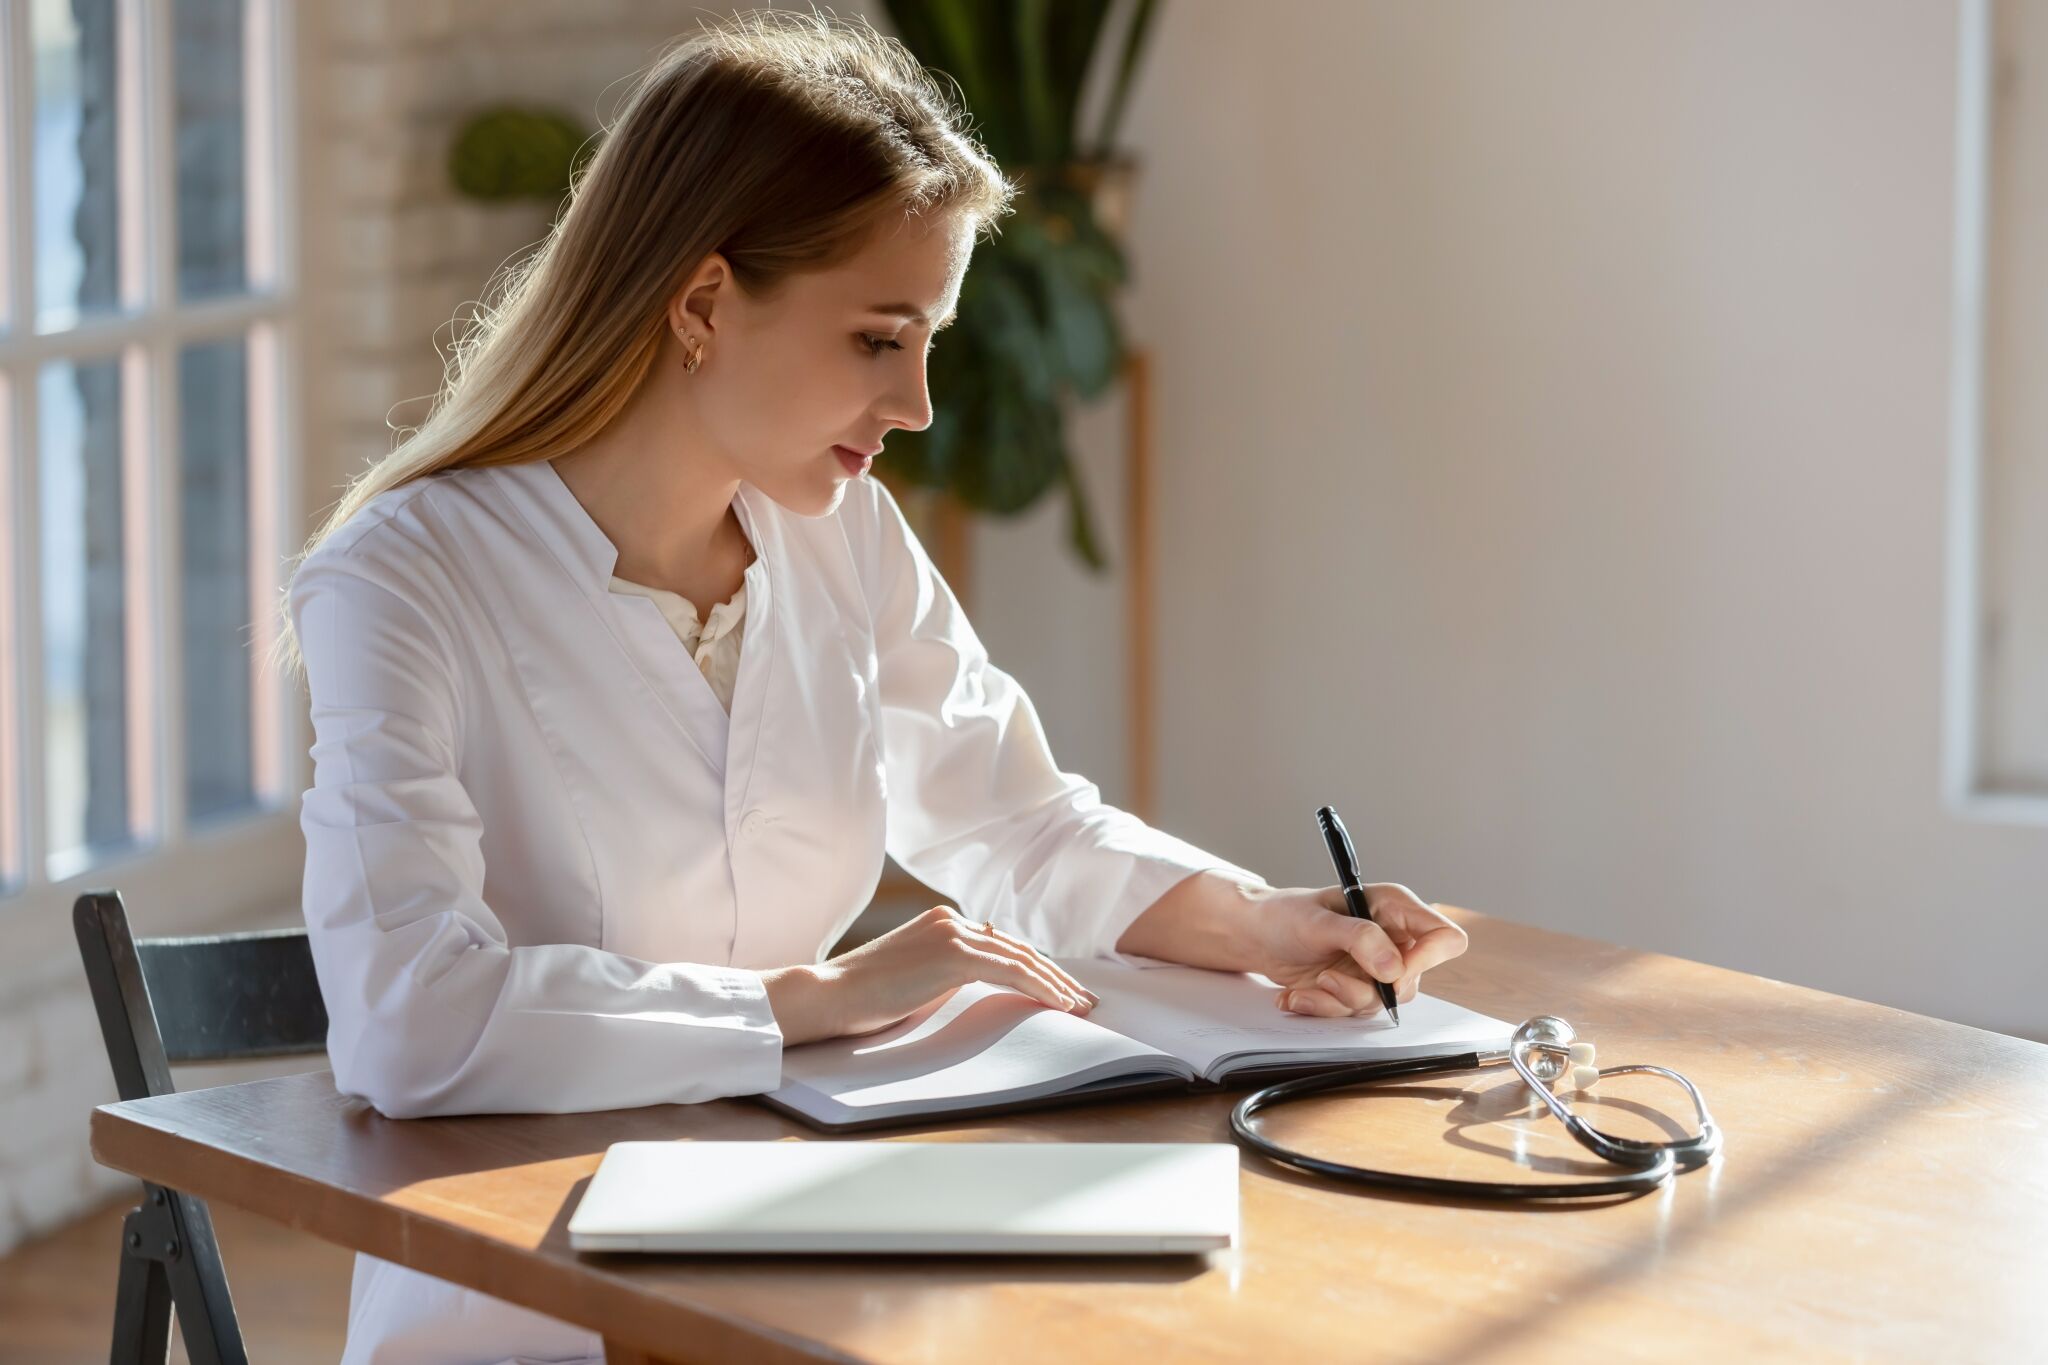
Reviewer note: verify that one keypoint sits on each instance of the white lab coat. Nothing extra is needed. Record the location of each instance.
(544, 869)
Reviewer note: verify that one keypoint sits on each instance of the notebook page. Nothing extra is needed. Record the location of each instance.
(983, 1044)
(1205, 1016)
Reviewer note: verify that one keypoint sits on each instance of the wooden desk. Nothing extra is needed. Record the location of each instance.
(1883, 1195)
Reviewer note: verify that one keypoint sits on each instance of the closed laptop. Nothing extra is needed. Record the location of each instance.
(883, 1195)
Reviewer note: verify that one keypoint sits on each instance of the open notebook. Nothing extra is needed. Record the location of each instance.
(987, 1049)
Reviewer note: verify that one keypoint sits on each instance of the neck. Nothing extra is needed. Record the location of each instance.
(666, 504)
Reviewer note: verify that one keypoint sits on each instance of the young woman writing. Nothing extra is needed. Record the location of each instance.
(625, 672)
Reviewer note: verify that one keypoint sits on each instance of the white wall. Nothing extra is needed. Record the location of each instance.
(1551, 405)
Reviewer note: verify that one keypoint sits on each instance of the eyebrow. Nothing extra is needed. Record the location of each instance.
(908, 311)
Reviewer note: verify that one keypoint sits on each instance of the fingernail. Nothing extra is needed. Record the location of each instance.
(1328, 981)
(1387, 967)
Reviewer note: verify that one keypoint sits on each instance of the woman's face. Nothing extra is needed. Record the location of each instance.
(835, 358)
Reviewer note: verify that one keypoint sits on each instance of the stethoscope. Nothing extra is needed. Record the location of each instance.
(1543, 1051)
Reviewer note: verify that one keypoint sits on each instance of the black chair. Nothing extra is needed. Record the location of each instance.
(202, 999)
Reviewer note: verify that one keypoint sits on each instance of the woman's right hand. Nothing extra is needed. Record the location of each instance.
(895, 974)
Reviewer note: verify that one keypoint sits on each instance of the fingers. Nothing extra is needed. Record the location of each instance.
(1028, 979)
(995, 940)
(1436, 946)
(1425, 934)
(1337, 993)
(1422, 934)
(1377, 948)
(1007, 961)
(1311, 1002)
(1355, 995)
(1404, 939)
(1318, 999)
(1374, 951)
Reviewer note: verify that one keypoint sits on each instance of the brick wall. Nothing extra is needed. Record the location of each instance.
(388, 256)
(53, 1070)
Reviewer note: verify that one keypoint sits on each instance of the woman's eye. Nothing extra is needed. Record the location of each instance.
(876, 344)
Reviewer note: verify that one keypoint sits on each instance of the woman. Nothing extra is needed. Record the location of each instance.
(571, 844)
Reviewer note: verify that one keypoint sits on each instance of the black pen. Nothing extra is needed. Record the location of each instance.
(1346, 859)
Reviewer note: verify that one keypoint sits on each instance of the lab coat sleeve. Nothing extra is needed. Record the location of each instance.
(976, 806)
(431, 1011)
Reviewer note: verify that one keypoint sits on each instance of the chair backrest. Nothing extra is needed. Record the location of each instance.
(165, 1000)
(205, 998)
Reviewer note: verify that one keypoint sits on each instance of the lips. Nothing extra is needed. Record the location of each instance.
(862, 454)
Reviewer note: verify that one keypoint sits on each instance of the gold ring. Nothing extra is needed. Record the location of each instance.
(988, 926)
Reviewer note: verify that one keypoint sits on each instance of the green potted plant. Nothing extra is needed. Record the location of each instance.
(1036, 319)
(507, 152)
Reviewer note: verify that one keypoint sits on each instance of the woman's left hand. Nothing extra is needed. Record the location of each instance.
(1326, 961)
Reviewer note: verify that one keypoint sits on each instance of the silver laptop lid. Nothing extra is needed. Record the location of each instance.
(882, 1195)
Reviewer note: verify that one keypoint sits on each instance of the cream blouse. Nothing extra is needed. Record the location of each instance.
(715, 644)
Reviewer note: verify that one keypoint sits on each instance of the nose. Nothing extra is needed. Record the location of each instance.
(908, 404)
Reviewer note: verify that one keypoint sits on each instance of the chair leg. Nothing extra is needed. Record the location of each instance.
(142, 1301)
(199, 1286)
(169, 1258)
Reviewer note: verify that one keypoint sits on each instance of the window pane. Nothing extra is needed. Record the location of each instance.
(77, 232)
(213, 500)
(85, 663)
(212, 255)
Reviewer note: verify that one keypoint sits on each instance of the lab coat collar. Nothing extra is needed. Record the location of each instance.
(581, 544)
(588, 555)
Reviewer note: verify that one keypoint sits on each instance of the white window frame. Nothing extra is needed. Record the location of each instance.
(179, 878)
(1965, 788)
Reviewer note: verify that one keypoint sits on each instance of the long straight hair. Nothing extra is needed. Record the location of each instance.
(779, 139)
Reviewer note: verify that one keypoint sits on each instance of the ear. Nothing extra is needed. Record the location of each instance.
(692, 307)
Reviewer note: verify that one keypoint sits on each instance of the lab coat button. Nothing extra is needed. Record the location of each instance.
(750, 825)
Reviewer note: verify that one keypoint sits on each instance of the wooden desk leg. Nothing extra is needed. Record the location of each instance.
(618, 1353)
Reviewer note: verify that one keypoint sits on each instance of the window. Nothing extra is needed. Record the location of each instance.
(1996, 731)
(146, 315)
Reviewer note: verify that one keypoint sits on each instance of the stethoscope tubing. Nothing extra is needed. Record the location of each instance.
(1647, 1165)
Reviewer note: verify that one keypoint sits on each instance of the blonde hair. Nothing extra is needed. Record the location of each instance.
(779, 140)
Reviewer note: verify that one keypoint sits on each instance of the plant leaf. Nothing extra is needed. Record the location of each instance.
(1084, 331)
(1135, 38)
(1046, 137)
(956, 38)
(1037, 323)
(1076, 31)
